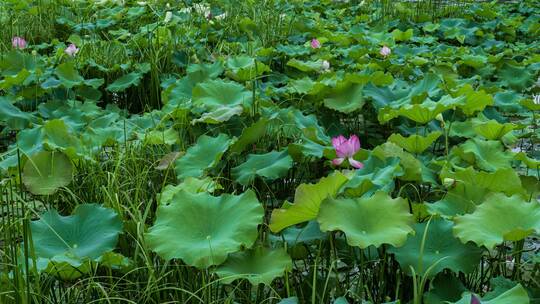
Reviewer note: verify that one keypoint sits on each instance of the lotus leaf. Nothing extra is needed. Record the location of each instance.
(259, 266)
(205, 154)
(202, 229)
(46, 171)
(518, 294)
(213, 94)
(486, 154)
(368, 221)
(346, 97)
(499, 218)
(440, 250)
(307, 200)
(414, 143)
(271, 166)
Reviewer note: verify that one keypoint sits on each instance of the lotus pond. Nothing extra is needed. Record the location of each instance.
(269, 151)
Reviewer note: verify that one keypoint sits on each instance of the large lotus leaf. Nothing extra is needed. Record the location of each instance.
(244, 68)
(205, 154)
(516, 77)
(219, 115)
(502, 180)
(213, 94)
(474, 100)
(46, 171)
(202, 229)
(421, 113)
(250, 135)
(271, 166)
(376, 175)
(12, 116)
(126, 81)
(492, 129)
(517, 294)
(87, 234)
(160, 137)
(444, 287)
(402, 36)
(368, 221)
(345, 97)
(461, 199)
(68, 75)
(415, 143)
(305, 66)
(500, 218)
(307, 200)
(412, 167)
(259, 266)
(488, 155)
(295, 235)
(440, 250)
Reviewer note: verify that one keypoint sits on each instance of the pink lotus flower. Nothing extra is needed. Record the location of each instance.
(385, 51)
(346, 149)
(315, 43)
(18, 43)
(71, 50)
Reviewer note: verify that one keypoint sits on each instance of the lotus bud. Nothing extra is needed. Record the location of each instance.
(18, 43)
(71, 50)
(449, 182)
(315, 43)
(440, 118)
(168, 17)
(325, 65)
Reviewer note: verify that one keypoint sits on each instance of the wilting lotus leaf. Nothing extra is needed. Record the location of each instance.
(87, 234)
(376, 175)
(414, 143)
(517, 294)
(307, 200)
(492, 129)
(345, 97)
(440, 250)
(502, 180)
(213, 94)
(205, 154)
(461, 199)
(46, 171)
(259, 266)
(219, 115)
(202, 229)
(271, 166)
(368, 221)
(488, 155)
(499, 218)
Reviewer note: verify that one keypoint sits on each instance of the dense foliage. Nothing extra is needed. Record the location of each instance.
(269, 152)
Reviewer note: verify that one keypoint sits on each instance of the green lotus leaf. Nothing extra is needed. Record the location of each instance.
(412, 167)
(346, 97)
(271, 166)
(415, 143)
(205, 154)
(475, 101)
(502, 180)
(302, 86)
(125, 82)
(499, 218)
(461, 199)
(368, 221)
(86, 235)
(305, 66)
(376, 175)
(202, 229)
(475, 61)
(68, 75)
(493, 130)
(421, 113)
(244, 68)
(488, 155)
(158, 137)
(290, 300)
(250, 135)
(46, 171)
(444, 287)
(295, 235)
(12, 116)
(440, 250)
(259, 266)
(190, 184)
(213, 94)
(402, 36)
(219, 115)
(516, 77)
(517, 294)
(307, 200)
